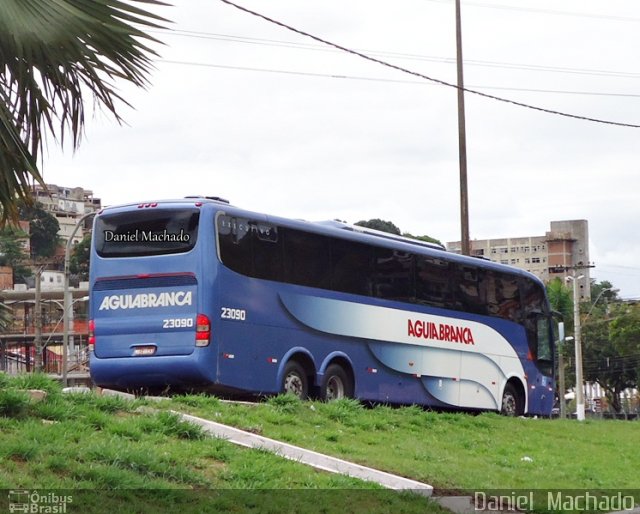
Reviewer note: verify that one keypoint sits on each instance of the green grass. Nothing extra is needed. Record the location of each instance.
(450, 451)
(113, 454)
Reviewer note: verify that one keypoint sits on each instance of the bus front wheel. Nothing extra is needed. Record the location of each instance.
(511, 403)
(335, 384)
(294, 380)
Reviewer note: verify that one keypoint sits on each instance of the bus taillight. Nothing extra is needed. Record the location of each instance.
(203, 330)
(92, 335)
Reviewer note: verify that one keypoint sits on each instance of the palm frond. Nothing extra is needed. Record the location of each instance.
(52, 52)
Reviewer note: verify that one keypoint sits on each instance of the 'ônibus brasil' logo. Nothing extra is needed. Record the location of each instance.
(146, 300)
(440, 332)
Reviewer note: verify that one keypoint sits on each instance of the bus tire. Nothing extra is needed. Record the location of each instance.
(511, 402)
(295, 381)
(336, 384)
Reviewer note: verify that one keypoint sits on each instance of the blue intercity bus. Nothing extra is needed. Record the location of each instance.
(198, 294)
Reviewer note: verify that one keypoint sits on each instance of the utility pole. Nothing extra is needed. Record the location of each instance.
(578, 343)
(462, 143)
(578, 338)
(561, 381)
(37, 339)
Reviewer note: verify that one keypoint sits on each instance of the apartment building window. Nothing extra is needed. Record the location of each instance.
(527, 260)
(535, 260)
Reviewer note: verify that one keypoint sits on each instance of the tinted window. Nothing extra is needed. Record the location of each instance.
(251, 248)
(470, 295)
(234, 236)
(503, 296)
(306, 259)
(433, 282)
(292, 256)
(351, 264)
(267, 252)
(146, 232)
(393, 275)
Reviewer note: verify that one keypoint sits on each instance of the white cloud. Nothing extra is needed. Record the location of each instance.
(317, 147)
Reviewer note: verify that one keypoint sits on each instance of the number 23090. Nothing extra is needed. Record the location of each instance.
(177, 323)
(236, 314)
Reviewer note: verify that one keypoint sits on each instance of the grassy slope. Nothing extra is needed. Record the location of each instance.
(449, 451)
(91, 442)
(112, 456)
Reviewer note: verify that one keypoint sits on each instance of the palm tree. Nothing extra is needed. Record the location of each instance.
(53, 53)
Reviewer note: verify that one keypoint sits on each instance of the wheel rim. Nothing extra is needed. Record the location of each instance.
(294, 384)
(335, 388)
(509, 405)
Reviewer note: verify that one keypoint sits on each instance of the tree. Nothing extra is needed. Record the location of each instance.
(52, 54)
(378, 224)
(43, 229)
(625, 337)
(611, 344)
(12, 252)
(80, 257)
(391, 228)
(561, 301)
(425, 238)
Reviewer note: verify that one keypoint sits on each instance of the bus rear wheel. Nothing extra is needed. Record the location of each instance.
(335, 384)
(294, 380)
(511, 403)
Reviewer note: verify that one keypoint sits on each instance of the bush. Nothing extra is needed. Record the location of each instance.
(13, 403)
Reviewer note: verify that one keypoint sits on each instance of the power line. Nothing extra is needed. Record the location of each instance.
(432, 79)
(392, 81)
(546, 11)
(401, 55)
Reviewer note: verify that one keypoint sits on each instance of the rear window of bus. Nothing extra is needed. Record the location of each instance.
(146, 232)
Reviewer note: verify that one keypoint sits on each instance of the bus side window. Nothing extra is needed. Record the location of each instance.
(433, 282)
(351, 267)
(470, 295)
(267, 252)
(306, 259)
(235, 245)
(393, 275)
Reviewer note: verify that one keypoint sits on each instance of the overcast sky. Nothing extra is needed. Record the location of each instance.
(241, 108)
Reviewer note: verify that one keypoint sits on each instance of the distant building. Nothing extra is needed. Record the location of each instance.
(68, 205)
(6, 277)
(555, 254)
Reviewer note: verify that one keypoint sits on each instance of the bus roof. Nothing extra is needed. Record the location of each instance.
(339, 229)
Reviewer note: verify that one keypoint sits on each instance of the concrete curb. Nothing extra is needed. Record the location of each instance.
(295, 453)
(311, 458)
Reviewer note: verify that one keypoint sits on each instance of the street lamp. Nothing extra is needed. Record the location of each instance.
(596, 300)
